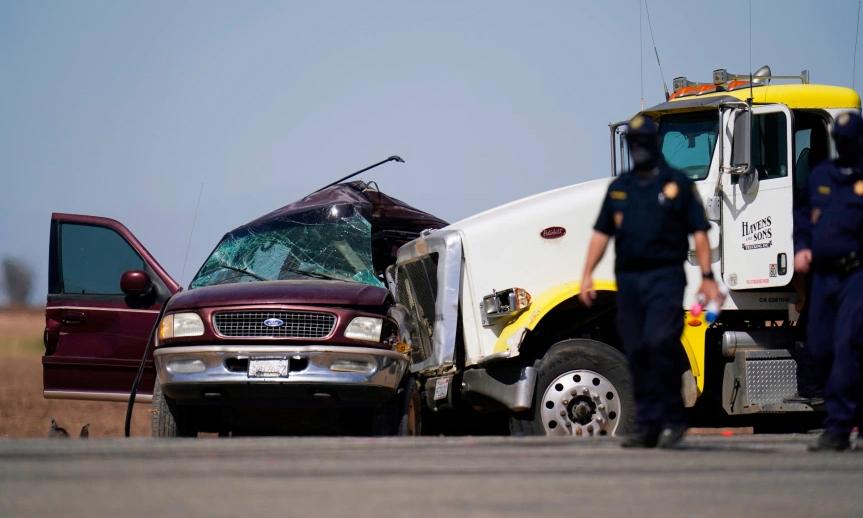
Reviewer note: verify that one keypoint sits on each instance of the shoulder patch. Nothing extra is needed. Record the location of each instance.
(617, 195)
(824, 189)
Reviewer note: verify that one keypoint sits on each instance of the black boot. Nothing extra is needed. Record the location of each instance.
(671, 436)
(828, 441)
(641, 439)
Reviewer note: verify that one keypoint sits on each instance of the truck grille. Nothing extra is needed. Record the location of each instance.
(417, 289)
(295, 324)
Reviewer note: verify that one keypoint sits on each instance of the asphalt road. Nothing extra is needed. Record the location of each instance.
(429, 476)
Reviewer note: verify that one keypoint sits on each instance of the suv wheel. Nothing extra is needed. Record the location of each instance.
(402, 415)
(167, 419)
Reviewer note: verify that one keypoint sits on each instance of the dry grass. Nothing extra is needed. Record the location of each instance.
(23, 410)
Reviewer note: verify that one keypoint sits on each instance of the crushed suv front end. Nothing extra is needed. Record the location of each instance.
(302, 356)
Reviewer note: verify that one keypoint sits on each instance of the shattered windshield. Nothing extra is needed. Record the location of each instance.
(325, 243)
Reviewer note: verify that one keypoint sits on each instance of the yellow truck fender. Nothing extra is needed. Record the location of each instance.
(692, 339)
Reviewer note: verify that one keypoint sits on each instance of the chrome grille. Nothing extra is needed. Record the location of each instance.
(297, 324)
(416, 288)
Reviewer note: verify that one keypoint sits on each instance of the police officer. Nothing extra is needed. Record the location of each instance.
(650, 212)
(828, 243)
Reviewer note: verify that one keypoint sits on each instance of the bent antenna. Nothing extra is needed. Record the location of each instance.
(394, 158)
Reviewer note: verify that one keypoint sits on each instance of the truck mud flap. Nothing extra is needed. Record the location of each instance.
(513, 387)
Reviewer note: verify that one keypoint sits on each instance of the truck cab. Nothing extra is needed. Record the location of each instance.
(287, 325)
(495, 295)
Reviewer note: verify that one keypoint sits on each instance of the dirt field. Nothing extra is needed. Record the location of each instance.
(23, 410)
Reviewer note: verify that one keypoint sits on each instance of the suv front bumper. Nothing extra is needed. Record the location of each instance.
(220, 373)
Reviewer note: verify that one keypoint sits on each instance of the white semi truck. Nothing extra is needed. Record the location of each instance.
(497, 323)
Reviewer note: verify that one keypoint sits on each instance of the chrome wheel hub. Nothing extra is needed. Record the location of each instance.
(580, 403)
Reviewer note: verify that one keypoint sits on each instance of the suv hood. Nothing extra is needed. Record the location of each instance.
(300, 292)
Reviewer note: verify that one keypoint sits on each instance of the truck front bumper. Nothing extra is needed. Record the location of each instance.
(221, 374)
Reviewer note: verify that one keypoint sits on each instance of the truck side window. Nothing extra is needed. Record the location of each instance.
(93, 259)
(811, 145)
(770, 145)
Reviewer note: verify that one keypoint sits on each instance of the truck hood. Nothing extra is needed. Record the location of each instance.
(300, 292)
(544, 209)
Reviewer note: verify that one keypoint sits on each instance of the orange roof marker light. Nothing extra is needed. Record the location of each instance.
(726, 82)
(682, 87)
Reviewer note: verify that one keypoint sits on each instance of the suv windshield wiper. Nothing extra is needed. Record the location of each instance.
(241, 270)
(314, 275)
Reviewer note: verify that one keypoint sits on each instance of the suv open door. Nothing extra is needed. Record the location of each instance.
(96, 330)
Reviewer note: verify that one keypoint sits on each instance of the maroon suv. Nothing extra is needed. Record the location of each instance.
(287, 325)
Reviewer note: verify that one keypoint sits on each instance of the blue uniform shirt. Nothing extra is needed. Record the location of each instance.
(651, 219)
(829, 219)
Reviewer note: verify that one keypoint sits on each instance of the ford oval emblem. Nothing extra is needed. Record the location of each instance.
(274, 322)
(553, 232)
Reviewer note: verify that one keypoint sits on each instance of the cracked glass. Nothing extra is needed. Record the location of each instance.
(324, 243)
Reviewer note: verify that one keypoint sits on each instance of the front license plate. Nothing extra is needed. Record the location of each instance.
(268, 367)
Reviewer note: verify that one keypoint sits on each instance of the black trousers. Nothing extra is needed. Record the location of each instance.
(650, 322)
(836, 340)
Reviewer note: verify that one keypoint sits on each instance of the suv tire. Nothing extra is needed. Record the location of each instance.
(167, 419)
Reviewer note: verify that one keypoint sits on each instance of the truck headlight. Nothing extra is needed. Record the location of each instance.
(503, 304)
(178, 325)
(365, 328)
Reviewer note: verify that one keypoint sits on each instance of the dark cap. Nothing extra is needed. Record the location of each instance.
(641, 126)
(848, 125)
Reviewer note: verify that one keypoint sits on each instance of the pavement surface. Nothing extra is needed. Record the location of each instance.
(428, 476)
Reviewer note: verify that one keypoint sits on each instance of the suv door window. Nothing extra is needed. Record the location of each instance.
(94, 259)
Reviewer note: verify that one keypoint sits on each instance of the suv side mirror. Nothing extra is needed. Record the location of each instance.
(136, 283)
(741, 149)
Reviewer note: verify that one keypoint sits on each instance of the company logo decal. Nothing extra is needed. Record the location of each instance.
(553, 232)
(274, 322)
(757, 234)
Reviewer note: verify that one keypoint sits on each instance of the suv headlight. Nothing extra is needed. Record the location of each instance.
(178, 325)
(365, 328)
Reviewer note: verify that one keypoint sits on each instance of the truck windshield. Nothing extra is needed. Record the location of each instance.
(327, 243)
(687, 141)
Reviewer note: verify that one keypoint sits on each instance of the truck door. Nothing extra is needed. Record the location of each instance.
(94, 332)
(757, 245)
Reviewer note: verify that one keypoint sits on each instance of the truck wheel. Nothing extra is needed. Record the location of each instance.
(583, 389)
(167, 420)
(402, 415)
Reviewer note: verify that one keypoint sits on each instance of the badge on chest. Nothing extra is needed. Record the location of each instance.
(669, 192)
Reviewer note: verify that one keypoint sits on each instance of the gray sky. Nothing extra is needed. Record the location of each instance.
(123, 109)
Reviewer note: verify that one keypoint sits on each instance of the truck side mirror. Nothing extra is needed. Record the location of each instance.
(136, 283)
(741, 148)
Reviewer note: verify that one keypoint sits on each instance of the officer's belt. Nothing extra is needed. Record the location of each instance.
(845, 265)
